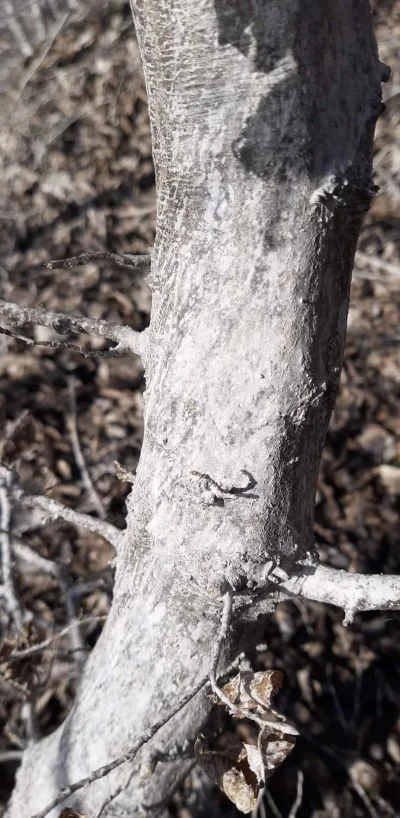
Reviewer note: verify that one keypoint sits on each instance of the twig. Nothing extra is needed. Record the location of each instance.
(34, 649)
(26, 554)
(74, 631)
(11, 429)
(39, 563)
(225, 624)
(29, 719)
(299, 796)
(128, 339)
(352, 592)
(72, 425)
(10, 755)
(172, 754)
(233, 709)
(101, 772)
(359, 789)
(87, 353)
(259, 809)
(17, 30)
(139, 262)
(8, 582)
(271, 803)
(116, 793)
(57, 510)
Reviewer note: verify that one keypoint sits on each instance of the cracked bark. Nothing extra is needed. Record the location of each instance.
(263, 116)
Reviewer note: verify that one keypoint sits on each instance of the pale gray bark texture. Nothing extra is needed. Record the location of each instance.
(263, 115)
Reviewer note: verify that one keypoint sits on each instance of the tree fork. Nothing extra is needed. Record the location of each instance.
(262, 116)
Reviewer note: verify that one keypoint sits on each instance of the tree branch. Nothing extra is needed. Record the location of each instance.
(24, 653)
(128, 339)
(72, 425)
(87, 353)
(352, 592)
(9, 590)
(140, 262)
(148, 734)
(126, 757)
(57, 510)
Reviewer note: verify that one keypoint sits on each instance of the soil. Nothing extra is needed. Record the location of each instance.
(77, 175)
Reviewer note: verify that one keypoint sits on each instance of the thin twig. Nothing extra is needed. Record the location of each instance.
(87, 353)
(76, 642)
(101, 772)
(34, 649)
(126, 337)
(233, 709)
(6, 562)
(271, 803)
(58, 511)
(72, 425)
(10, 755)
(24, 553)
(225, 624)
(139, 262)
(364, 797)
(12, 428)
(299, 795)
(116, 793)
(16, 29)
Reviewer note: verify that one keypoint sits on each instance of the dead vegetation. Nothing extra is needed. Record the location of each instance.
(77, 176)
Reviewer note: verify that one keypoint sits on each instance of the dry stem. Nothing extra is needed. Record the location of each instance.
(126, 338)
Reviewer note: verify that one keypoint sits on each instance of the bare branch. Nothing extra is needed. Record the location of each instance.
(24, 553)
(128, 339)
(225, 625)
(72, 425)
(10, 755)
(87, 353)
(299, 795)
(6, 563)
(352, 592)
(101, 772)
(34, 649)
(113, 795)
(56, 510)
(140, 262)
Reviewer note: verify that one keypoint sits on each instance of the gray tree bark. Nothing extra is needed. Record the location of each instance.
(263, 116)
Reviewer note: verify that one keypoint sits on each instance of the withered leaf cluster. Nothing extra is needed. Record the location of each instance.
(241, 769)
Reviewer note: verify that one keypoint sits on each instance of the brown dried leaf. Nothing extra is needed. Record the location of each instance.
(71, 813)
(274, 748)
(234, 770)
(254, 691)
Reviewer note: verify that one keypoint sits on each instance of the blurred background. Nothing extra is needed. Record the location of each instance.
(77, 175)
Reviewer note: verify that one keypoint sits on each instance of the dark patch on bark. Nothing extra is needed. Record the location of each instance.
(293, 130)
(242, 21)
(270, 138)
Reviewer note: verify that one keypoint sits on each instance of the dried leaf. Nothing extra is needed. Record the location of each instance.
(274, 748)
(71, 813)
(240, 770)
(235, 773)
(253, 692)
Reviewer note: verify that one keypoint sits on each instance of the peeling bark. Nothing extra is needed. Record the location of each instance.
(263, 115)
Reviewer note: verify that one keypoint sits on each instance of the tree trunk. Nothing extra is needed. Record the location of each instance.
(263, 115)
